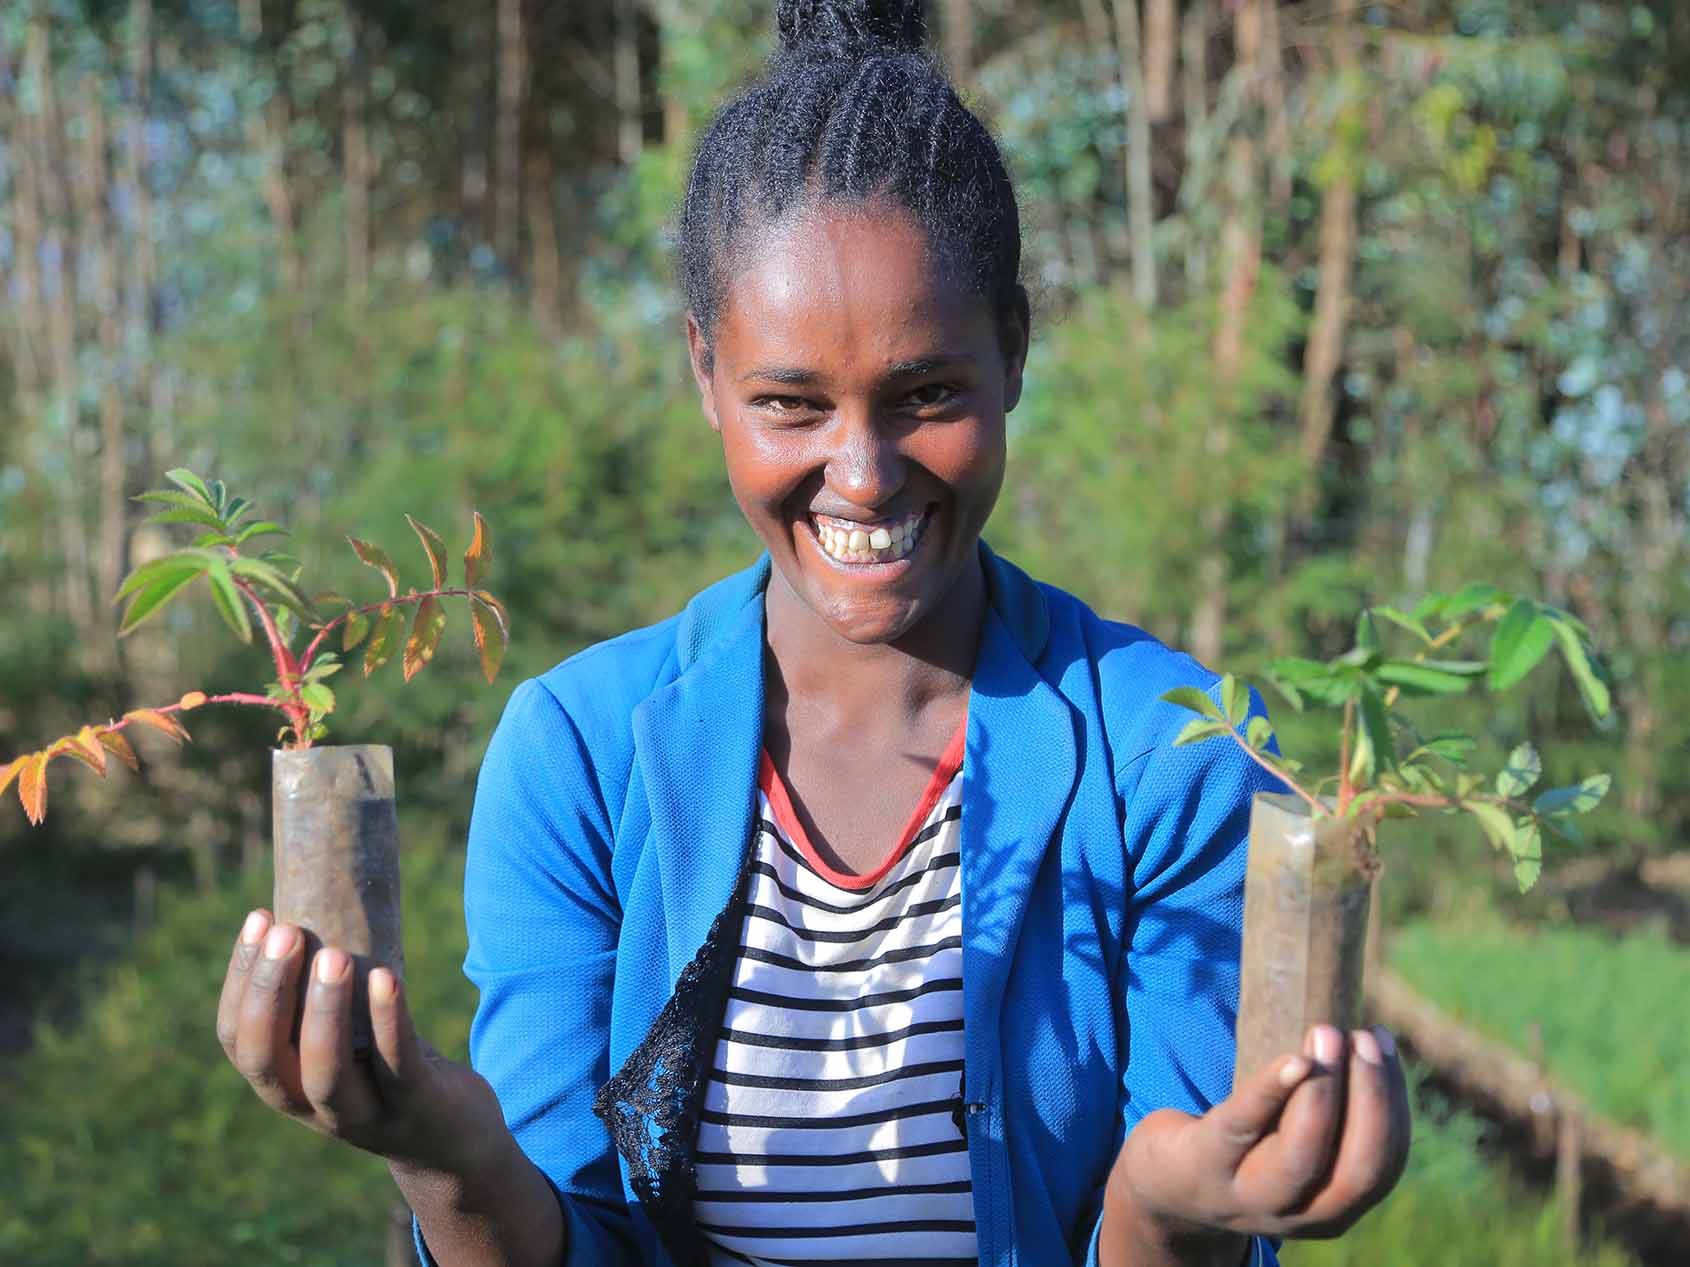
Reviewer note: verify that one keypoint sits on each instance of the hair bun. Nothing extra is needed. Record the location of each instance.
(849, 30)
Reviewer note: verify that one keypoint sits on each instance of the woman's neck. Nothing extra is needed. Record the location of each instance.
(932, 661)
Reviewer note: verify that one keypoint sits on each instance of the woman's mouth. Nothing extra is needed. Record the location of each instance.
(877, 541)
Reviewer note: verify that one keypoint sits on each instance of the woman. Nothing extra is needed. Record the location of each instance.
(739, 1001)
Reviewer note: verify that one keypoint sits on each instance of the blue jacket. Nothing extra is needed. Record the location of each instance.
(1102, 880)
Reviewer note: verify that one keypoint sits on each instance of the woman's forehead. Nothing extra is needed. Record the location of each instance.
(840, 278)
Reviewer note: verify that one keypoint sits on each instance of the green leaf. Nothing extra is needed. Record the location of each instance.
(1528, 855)
(1592, 689)
(1259, 733)
(389, 631)
(1373, 749)
(1521, 640)
(208, 539)
(186, 480)
(219, 496)
(259, 529)
(280, 587)
(231, 603)
(434, 547)
(1189, 697)
(377, 558)
(1580, 798)
(1367, 635)
(425, 635)
(1324, 683)
(1470, 598)
(1199, 729)
(1403, 620)
(356, 629)
(165, 497)
(1235, 700)
(1495, 821)
(1522, 772)
(153, 569)
(164, 585)
(235, 509)
(1453, 746)
(186, 515)
(324, 666)
(1421, 679)
(317, 697)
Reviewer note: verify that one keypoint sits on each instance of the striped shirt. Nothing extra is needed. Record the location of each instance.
(831, 1130)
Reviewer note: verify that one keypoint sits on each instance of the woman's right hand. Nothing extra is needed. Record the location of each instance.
(404, 1100)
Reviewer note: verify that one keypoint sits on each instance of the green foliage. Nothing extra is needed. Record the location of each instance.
(131, 1140)
(1391, 767)
(1606, 1012)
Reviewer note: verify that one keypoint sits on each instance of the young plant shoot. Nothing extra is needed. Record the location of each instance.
(1386, 766)
(262, 587)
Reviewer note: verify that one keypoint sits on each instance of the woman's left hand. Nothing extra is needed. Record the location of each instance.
(1303, 1148)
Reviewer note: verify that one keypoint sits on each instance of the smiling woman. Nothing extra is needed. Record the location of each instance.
(866, 910)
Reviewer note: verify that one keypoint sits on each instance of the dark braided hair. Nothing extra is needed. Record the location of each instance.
(852, 108)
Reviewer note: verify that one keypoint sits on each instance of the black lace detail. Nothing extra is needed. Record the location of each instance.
(651, 1104)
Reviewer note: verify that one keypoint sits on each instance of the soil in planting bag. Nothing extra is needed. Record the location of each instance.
(337, 859)
(1306, 895)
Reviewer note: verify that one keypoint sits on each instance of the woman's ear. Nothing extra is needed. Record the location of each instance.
(1014, 336)
(698, 351)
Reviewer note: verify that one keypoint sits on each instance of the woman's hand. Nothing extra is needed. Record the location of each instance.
(404, 1100)
(1303, 1148)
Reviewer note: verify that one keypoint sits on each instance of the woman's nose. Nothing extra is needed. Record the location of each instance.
(866, 468)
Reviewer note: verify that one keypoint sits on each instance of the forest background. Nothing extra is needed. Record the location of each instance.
(1338, 302)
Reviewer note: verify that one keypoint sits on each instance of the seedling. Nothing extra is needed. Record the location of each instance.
(1313, 854)
(261, 587)
(1387, 766)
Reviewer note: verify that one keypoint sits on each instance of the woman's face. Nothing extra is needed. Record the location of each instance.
(860, 396)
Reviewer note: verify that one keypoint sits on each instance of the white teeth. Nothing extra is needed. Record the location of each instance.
(883, 543)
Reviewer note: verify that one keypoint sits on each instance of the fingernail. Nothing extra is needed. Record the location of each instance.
(381, 986)
(253, 929)
(1328, 1044)
(331, 965)
(279, 942)
(1387, 1044)
(1293, 1072)
(1367, 1047)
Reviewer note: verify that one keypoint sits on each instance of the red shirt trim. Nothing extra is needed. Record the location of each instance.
(768, 778)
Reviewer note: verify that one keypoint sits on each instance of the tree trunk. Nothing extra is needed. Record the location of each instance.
(141, 251)
(1325, 350)
(1270, 72)
(545, 264)
(958, 31)
(630, 121)
(1241, 257)
(267, 134)
(1194, 91)
(507, 130)
(1161, 30)
(93, 197)
(44, 151)
(355, 159)
(1141, 209)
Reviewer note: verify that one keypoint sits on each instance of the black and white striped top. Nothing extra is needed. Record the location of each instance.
(831, 1130)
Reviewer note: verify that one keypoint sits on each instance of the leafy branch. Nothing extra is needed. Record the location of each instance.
(263, 588)
(1386, 768)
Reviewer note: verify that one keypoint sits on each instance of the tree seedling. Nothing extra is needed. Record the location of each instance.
(262, 587)
(1387, 767)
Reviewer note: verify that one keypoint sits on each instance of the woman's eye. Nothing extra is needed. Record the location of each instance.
(929, 395)
(782, 404)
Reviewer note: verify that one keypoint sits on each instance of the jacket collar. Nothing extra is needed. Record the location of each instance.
(699, 738)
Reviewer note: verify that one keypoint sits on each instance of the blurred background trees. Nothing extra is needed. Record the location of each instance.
(1337, 302)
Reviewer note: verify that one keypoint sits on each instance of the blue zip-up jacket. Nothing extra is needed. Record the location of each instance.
(1102, 883)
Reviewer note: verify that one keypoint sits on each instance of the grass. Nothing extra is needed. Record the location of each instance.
(1452, 1208)
(1607, 1013)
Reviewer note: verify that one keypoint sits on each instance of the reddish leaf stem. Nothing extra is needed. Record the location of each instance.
(287, 669)
(1314, 804)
